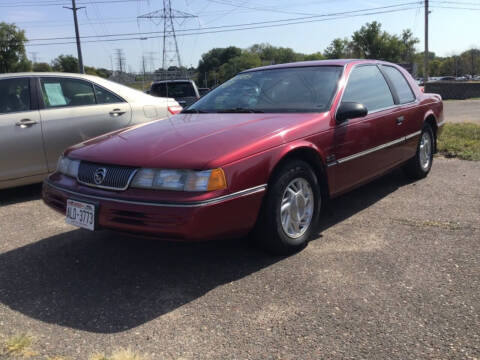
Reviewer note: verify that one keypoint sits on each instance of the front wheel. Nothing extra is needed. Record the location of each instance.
(419, 166)
(291, 209)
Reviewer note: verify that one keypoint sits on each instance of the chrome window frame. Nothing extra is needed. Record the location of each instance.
(42, 105)
(347, 79)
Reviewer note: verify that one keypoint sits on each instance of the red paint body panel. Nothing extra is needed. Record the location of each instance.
(247, 147)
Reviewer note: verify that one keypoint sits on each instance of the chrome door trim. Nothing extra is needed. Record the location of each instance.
(376, 148)
(238, 194)
(416, 133)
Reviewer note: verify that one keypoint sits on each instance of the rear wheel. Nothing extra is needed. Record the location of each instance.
(419, 166)
(291, 209)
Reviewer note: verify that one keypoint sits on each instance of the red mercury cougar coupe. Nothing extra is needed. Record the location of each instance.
(261, 152)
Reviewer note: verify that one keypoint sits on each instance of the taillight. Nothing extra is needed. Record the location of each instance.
(174, 109)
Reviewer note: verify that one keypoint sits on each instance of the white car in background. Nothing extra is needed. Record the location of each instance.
(41, 114)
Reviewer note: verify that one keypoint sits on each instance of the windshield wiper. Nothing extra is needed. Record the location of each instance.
(240, 110)
(193, 111)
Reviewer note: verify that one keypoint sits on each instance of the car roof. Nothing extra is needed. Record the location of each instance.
(175, 80)
(333, 62)
(124, 91)
(64, 74)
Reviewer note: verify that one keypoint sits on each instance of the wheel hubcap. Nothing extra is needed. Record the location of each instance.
(425, 151)
(296, 209)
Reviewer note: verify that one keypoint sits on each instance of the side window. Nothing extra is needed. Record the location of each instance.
(14, 95)
(61, 92)
(106, 97)
(405, 94)
(367, 85)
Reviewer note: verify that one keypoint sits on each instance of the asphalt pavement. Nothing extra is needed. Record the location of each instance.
(462, 110)
(393, 274)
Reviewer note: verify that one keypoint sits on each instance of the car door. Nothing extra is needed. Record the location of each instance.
(75, 110)
(21, 146)
(366, 147)
(409, 116)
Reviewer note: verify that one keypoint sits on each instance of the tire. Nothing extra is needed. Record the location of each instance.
(295, 187)
(420, 165)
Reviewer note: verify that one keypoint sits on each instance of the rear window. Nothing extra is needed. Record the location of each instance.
(173, 89)
(404, 92)
(295, 89)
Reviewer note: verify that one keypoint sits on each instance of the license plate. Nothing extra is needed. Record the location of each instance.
(80, 214)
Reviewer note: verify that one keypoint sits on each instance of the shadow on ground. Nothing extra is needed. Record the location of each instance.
(20, 194)
(105, 283)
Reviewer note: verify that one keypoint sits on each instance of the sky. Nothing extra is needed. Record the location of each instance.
(454, 26)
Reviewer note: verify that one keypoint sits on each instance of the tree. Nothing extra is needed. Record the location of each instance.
(314, 56)
(212, 60)
(269, 54)
(65, 63)
(12, 49)
(338, 49)
(245, 61)
(42, 67)
(104, 73)
(371, 42)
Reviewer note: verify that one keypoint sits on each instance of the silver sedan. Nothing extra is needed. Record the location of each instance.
(41, 114)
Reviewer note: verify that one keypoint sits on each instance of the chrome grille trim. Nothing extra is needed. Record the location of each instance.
(216, 200)
(117, 177)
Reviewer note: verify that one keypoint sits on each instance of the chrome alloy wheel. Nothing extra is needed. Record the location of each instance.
(425, 150)
(296, 209)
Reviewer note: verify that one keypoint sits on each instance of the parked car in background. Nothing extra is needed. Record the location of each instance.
(183, 91)
(41, 114)
(263, 152)
(203, 91)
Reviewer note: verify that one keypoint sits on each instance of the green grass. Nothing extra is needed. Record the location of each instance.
(460, 140)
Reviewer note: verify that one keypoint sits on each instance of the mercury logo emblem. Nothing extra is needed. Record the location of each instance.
(99, 175)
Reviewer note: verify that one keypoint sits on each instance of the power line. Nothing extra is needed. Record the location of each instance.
(352, 12)
(64, 3)
(229, 30)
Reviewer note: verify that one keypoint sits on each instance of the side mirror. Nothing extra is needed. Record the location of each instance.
(350, 110)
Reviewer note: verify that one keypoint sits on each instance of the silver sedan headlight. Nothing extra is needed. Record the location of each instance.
(180, 180)
(68, 166)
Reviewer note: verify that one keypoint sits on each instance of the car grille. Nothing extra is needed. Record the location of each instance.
(105, 176)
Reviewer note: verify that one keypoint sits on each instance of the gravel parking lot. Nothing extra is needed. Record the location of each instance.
(394, 273)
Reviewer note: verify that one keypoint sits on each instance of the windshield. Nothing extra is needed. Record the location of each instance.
(295, 89)
(173, 89)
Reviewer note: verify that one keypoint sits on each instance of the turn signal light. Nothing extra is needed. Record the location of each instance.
(217, 180)
(174, 109)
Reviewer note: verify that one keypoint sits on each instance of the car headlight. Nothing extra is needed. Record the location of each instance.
(180, 180)
(68, 166)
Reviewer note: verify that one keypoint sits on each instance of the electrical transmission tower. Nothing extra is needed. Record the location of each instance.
(171, 55)
(120, 60)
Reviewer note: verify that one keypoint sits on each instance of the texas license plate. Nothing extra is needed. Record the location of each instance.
(80, 214)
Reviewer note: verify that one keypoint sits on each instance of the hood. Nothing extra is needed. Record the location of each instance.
(195, 141)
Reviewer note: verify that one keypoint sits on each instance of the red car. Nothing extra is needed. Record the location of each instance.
(262, 152)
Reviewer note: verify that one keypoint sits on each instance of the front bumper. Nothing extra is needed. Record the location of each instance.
(226, 216)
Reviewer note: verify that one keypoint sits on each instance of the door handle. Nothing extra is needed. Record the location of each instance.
(24, 123)
(400, 120)
(116, 112)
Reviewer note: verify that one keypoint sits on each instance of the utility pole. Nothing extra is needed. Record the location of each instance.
(143, 68)
(74, 8)
(34, 56)
(425, 60)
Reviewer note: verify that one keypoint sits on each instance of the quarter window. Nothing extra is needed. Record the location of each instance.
(14, 95)
(404, 92)
(58, 92)
(105, 96)
(367, 86)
